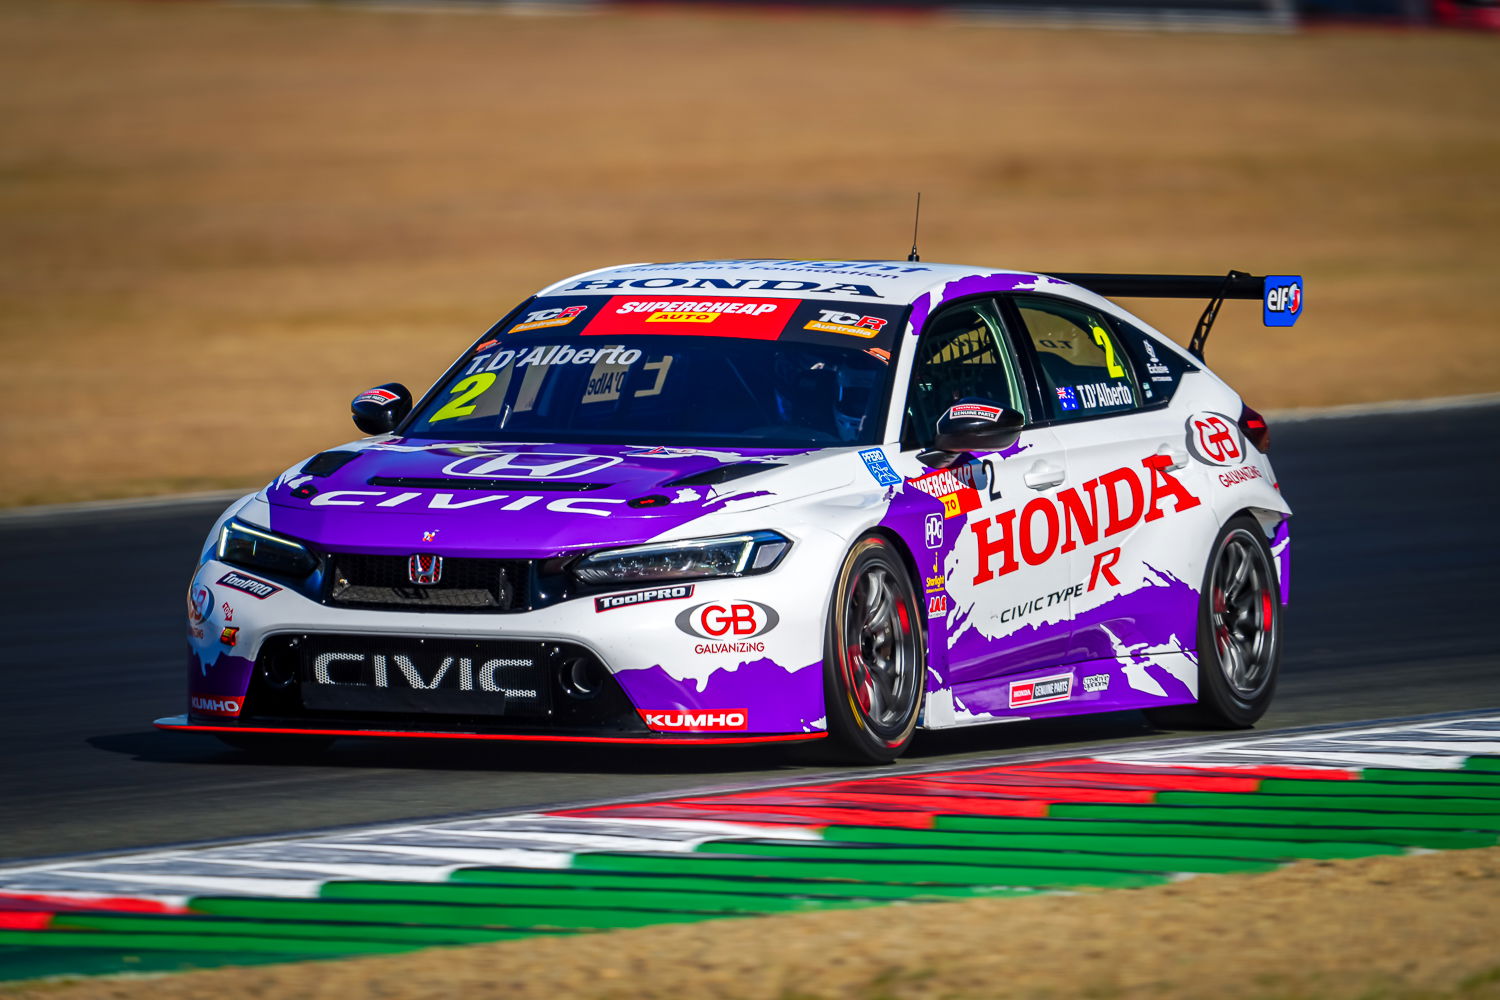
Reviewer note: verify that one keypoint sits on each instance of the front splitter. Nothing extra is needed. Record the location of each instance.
(181, 723)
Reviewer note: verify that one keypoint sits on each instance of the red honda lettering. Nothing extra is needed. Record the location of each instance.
(1164, 484)
(1004, 545)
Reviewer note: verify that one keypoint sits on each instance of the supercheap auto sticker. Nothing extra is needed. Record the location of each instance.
(1134, 818)
(839, 324)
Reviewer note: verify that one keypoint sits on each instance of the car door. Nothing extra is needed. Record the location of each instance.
(1003, 577)
(1133, 514)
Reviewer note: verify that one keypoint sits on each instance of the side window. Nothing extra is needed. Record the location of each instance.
(962, 352)
(1083, 370)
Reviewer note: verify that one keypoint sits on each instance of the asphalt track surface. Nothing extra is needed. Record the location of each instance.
(1394, 597)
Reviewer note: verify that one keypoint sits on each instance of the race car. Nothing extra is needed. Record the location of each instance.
(754, 501)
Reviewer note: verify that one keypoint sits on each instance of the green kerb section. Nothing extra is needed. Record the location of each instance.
(829, 890)
(1074, 863)
(1076, 845)
(1121, 844)
(1298, 838)
(886, 872)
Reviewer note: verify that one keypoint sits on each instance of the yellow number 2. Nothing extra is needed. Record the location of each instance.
(461, 405)
(1102, 339)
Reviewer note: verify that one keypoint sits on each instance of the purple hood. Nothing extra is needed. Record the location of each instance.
(526, 500)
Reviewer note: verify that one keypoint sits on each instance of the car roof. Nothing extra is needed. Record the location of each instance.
(897, 282)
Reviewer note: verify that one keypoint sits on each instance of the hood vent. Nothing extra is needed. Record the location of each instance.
(514, 485)
(328, 462)
(723, 474)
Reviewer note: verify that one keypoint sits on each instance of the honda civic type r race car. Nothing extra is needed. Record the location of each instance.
(747, 501)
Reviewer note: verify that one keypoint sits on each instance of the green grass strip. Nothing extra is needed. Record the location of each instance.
(877, 872)
(1150, 820)
(297, 947)
(299, 930)
(430, 914)
(1044, 859)
(687, 884)
(1283, 816)
(34, 963)
(1114, 843)
(1343, 789)
(1363, 803)
(1482, 762)
(581, 897)
(1403, 775)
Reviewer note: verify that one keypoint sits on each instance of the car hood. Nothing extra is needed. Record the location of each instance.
(456, 497)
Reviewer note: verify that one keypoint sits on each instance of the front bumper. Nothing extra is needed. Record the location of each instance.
(282, 662)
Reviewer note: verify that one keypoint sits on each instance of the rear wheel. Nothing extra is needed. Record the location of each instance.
(874, 657)
(1239, 634)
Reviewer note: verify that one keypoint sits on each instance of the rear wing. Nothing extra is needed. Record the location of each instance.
(1280, 294)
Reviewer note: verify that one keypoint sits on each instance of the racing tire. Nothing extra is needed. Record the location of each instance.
(1239, 634)
(277, 747)
(875, 658)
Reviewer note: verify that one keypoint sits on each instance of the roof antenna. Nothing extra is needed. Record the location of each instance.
(912, 257)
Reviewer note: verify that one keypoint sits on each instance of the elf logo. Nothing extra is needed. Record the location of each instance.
(1283, 299)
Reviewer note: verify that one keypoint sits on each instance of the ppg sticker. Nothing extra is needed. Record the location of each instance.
(1283, 304)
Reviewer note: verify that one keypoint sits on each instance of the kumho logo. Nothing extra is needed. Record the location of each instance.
(728, 620)
(678, 721)
(1065, 521)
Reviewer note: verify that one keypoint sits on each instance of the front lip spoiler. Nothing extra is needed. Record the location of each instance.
(181, 723)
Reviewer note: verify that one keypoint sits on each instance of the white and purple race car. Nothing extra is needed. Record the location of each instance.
(747, 501)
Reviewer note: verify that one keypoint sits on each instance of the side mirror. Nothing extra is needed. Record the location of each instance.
(379, 410)
(973, 425)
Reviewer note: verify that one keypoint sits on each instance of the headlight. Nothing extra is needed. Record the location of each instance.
(731, 555)
(256, 548)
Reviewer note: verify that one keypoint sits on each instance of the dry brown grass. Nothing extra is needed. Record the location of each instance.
(218, 223)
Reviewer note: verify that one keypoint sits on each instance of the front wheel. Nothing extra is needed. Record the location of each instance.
(1239, 634)
(874, 657)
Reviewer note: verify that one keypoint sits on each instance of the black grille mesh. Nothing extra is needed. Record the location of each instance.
(466, 584)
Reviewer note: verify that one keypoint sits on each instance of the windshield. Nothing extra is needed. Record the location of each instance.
(783, 381)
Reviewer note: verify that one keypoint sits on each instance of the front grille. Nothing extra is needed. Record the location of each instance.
(363, 581)
(404, 675)
(432, 683)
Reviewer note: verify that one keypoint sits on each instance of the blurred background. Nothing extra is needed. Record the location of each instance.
(219, 222)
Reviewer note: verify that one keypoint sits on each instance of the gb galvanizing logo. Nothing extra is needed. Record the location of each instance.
(733, 623)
